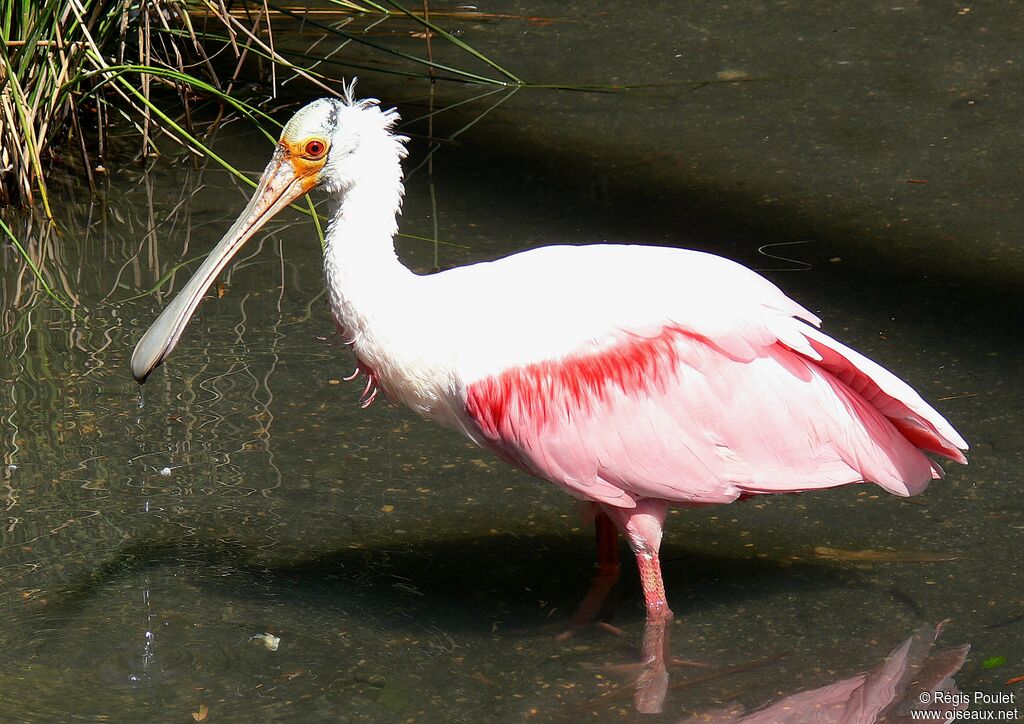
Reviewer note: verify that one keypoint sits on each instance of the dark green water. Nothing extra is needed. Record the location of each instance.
(145, 539)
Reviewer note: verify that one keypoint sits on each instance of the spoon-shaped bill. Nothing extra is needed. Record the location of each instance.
(278, 187)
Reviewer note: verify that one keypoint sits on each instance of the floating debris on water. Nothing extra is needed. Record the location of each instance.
(883, 556)
(269, 640)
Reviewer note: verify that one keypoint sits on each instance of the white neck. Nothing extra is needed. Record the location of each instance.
(365, 279)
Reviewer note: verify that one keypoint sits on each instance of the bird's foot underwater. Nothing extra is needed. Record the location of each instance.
(598, 606)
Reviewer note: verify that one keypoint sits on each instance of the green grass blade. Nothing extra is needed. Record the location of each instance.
(466, 75)
(436, 29)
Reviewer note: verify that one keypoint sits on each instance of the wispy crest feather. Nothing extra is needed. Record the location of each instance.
(348, 96)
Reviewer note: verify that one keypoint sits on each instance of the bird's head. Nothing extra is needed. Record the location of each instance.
(327, 143)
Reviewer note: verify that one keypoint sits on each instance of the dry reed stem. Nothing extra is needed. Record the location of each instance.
(70, 55)
(232, 22)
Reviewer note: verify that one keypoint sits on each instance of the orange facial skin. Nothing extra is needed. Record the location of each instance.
(307, 158)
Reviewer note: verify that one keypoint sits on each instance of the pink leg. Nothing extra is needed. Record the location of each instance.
(607, 543)
(607, 571)
(642, 526)
(654, 587)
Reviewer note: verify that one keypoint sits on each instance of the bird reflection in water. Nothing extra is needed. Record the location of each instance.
(915, 677)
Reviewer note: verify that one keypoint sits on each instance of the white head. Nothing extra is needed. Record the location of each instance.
(329, 143)
(341, 140)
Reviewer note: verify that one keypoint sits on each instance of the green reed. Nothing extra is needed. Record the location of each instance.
(69, 69)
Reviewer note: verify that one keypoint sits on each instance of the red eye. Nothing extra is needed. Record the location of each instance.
(315, 148)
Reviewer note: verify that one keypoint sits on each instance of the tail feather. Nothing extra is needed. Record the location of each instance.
(914, 418)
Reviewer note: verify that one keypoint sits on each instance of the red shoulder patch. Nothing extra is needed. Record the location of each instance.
(532, 395)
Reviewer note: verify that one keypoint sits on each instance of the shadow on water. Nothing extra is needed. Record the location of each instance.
(449, 577)
(348, 621)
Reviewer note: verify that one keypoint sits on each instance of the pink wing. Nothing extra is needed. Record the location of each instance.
(679, 416)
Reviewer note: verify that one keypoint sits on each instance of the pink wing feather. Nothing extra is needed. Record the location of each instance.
(766, 405)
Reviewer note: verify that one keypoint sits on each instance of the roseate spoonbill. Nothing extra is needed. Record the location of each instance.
(634, 377)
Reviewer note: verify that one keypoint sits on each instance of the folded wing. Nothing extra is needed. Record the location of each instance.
(747, 399)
